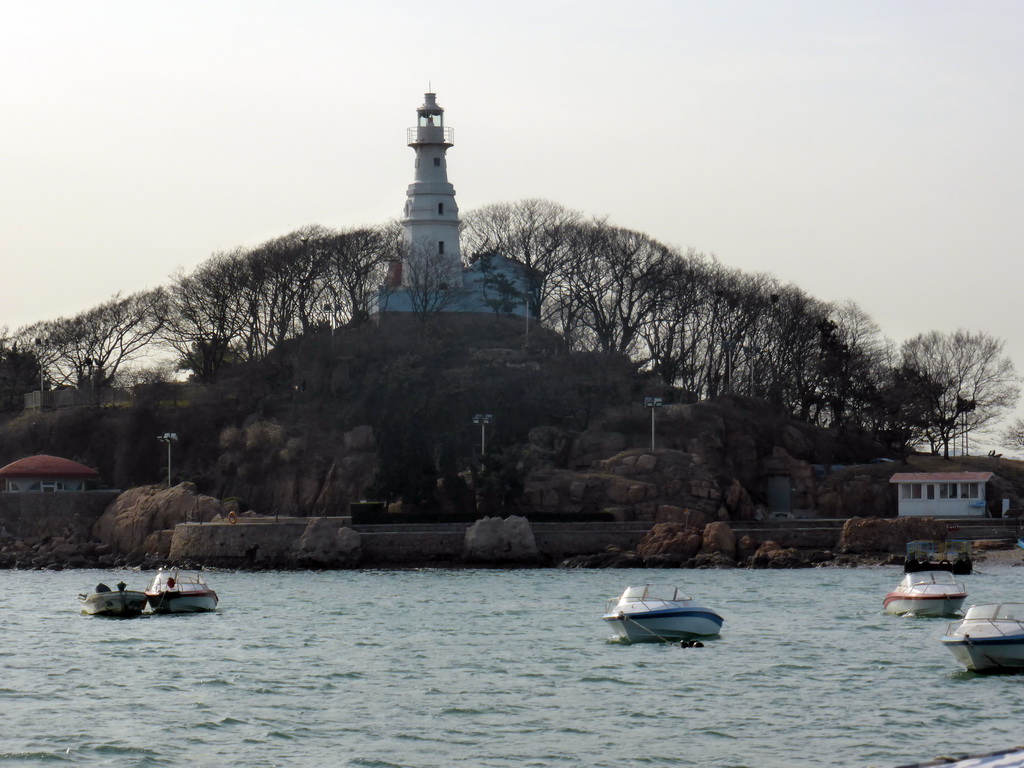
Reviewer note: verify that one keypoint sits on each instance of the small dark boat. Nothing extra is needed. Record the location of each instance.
(124, 603)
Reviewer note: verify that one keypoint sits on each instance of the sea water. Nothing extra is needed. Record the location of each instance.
(503, 668)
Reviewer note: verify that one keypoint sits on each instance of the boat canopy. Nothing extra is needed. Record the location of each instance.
(654, 592)
(928, 577)
(988, 611)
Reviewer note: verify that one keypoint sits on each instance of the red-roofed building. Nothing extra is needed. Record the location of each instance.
(44, 473)
(941, 494)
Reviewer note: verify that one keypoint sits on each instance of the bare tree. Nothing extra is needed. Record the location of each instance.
(88, 349)
(532, 232)
(20, 370)
(853, 360)
(615, 283)
(283, 288)
(429, 283)
(977, 383)
(356, 262)
(1013, 435)
(206, 315)
(673, 338)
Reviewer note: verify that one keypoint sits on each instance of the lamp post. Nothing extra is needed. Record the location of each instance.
(483, 419)
(652, 403)
(526, 307)
(332, 311)
(39, 358)
(730, 346)
(752, 353)
(168, 437)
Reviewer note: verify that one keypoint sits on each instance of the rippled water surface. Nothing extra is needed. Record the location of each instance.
(491, 668)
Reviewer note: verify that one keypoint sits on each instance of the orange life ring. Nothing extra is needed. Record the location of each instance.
(232, 517)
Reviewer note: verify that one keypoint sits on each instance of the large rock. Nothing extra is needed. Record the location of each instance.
(772, 555)
(494, 540)
(137, 513)
(324, 545)
(679, 540)
(738, 502)
(871, 534)
(719, 539)
(278, 473)
(860, 495)
(593, 445)
(636, 485)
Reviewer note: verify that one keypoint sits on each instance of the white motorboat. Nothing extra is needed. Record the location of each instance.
(989, 638)
(124, 603)
(926, 593)
(175, 591)
(655, 612)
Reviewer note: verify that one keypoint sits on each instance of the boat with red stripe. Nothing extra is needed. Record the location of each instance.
(926, 593)
(177, 591)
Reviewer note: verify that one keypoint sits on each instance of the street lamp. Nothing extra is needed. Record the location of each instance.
(483, 419)
(332, 311)
(168, 437)
(752, 352)
(730, 346)
(652, 403)
(39, 358)
(526, 307)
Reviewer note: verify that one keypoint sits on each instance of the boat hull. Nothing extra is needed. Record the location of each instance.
(658, 626)
(122, 604)
(1002, 654)
(924, 605)
(174, 602)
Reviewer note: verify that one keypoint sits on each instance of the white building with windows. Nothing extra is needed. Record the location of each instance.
(942, 494)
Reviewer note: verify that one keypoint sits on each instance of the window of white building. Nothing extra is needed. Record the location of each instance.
(911, 490)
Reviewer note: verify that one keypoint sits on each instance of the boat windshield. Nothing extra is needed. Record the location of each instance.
(179, 581)
(655, 592)
(928, 577)
(1008, 611)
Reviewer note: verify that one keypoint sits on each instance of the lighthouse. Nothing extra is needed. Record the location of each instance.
(430, 278)
(431, 217)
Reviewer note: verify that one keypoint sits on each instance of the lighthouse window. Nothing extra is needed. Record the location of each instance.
(440, 246)
(440, 209)
(437, 161)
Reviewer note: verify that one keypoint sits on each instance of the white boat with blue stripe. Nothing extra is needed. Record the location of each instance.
(990, 638)
(660, 613)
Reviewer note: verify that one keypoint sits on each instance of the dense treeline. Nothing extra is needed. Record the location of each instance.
(703, 329)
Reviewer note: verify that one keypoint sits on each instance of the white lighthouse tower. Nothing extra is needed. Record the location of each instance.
(430, 278)
(431, 218)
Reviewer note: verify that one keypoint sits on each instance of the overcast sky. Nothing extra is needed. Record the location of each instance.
(867, 150)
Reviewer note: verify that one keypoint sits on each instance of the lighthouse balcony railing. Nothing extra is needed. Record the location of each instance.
(430, 134)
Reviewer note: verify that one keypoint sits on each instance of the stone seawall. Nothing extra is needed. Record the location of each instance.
(266, 541)
(270, 542)
(250, 542)
(63, 513)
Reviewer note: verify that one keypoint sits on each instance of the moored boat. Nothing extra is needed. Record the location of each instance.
(926, 593)
(989, 638)
(654, 612)
(103, 601)
(176, 591)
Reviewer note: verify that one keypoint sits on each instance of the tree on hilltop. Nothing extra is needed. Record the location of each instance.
(975, 384)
